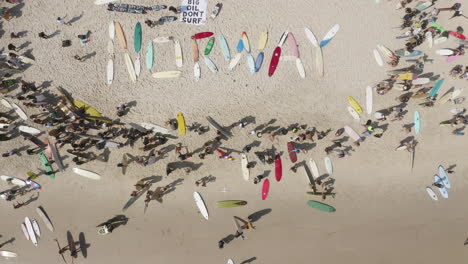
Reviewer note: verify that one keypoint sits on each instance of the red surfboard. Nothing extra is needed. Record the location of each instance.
(265, 189)
(457, 35)
(274, 61)
(202, 35)
(278, 168)
(292, 154)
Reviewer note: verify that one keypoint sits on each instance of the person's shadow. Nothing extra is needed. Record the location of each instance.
(83, 245)
(259, 214)
(247, 261)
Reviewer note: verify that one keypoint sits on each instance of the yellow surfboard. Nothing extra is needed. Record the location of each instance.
(406, 76)
(263, 41)
(181, 124)
(120, 36)
(355, 105)
(88, 109)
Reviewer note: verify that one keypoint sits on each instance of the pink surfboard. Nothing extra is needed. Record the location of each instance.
(48, 149)
(274, 61)
(265, 188)
(457, 35)
(452, 58)
(352, 133)
(292, 42)
(278, 168)
(202, 35)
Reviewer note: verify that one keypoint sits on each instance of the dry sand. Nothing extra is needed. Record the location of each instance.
(383, 212)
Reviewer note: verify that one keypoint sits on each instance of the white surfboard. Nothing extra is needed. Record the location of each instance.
(353, 113)
(386, 51)
(178, 54)
(457, 111)
(300, 68)
(429, 39)
(439, 40)
(211, 65)
(86, 173)
(330, 35)
(443, 175)
(319, 62)
(30, 130)
(110, 71)
(431, 193)
(352, 133)
(156, 128)
(328, 165)
(200, 204)
(196, 71)
(283, 39)
(6, 103)
(130, 69)
(420, 81)
(378, 58)
(45, 219)
(112, 30)
(250, 63)
(36, 228)
(102, 2)
(19, 111)
(235, 61)
(314, 168)
(311, 37)
(442, 190)
(25, 231)
(137, 66)
(245, 170)
(8, 254)
(369, 100)
(110, 48)
(13, 180)
(162, 39)
(30, 229)
(456, 93)
(230, 261)
(444, 52)
(166, 74)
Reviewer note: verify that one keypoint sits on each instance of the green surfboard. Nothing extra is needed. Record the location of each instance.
(231, 203)
(321, 206)
(209, 46)
(137, 37)
(47, 167)
(438, 27)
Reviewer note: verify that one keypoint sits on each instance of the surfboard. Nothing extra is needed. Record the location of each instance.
(8, 254)
(292, 154)
(224, 48)
(56, 157)
(36, 228)
(30, 130)
(262, 41)
(274, 61)
(369, 100)
(86, 173)
(417, 122)
(452, 58)
(235, 61)
(352, 133)
(130, 69)
(163, 39)
(149, 55)
(110, 71)
(210, 64)
(330, 35)
(13, 180)
(200, 204)
(25, 231)
(155, 128)
(40, 211)
(240, 46)
(319, 62)
(300, 68)
(447, 96)
(102, 2)
(443, 175)
(431, 193)
(202, 35)
(137, 37)
(181, 124)
(283, 39)
(230, 203)
(442, 190)
(230, 261)
(311, 37)
(245, 170)
(436, 88)
(110, 48)
(429, 39)
(265, 188)
(166, 74)
(250, 63)
(408, 76)
(386, 51)
(458, 35)
(424, 5)
(353, 113)
(137, 66)
(420, 81)
(321, 206)
(246, 42)
(438, 27)
(19, 111)
(88, 109)
(218, 127)
(196, 71)
(292, 42)
(278, 168)
(377, 57)
(407, 54)
(45, 163)
(112, 30)
(6, 103)
(178, 54)
(209, 46)
(328, 165)
(30, 229)
(120, 36)
(355, 104)
(440, 40)
(444, 52)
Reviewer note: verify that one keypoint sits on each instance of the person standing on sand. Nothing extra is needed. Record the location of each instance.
(12, 47)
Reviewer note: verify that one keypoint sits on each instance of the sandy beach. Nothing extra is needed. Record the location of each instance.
(383, 213)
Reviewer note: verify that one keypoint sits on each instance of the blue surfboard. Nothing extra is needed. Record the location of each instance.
(259, 61)
(240, 46)
(417, 122)
(436, 88)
